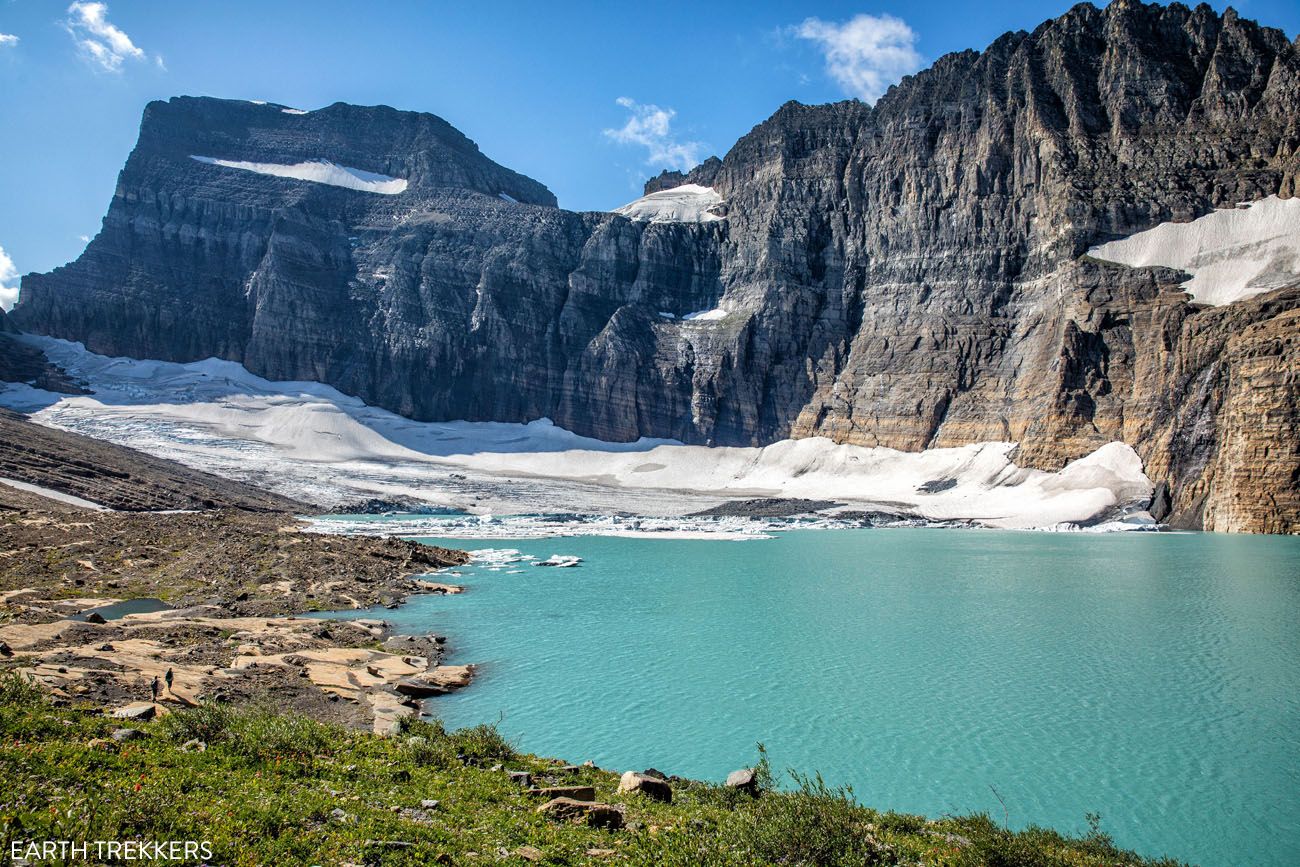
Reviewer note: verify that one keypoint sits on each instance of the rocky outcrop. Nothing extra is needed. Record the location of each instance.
(21, 362)
(705, 174)
(911, 274)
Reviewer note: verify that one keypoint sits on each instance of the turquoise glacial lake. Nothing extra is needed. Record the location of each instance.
(1151, 678)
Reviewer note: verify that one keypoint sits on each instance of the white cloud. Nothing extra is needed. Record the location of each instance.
(865, 54)
(651, 127)
(101, 42)
(8, 39)
(8, 281)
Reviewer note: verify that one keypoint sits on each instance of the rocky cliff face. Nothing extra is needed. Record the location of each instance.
(910, 275)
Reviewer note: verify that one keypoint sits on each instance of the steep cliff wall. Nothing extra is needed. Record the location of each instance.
(911, 274)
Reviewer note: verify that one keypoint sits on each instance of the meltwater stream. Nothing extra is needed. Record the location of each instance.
(1151, 678)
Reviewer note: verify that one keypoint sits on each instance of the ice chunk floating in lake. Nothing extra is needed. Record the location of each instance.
(310, 441)
(319, 172)
(689, 203)
(1231, 254)
(563, 561)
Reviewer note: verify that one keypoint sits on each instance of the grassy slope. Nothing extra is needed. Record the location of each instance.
(267, 788)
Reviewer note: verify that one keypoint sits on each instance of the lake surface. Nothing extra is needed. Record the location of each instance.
(1151, 678)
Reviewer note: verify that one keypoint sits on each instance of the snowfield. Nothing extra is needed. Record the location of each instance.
(310, 441)
(318, 172)
(1231, 254)
(689, 203)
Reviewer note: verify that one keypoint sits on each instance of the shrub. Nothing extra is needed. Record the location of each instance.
(210, 723)
(482, 744)
(261, 734)
(901, 823)
(18, 690)
(814, 825)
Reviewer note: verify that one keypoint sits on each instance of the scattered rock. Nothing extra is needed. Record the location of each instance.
(522, 778)
(123, 735)
(745, 779)
(95, 617)
(340, 815)
(530, 853)
(413, 815)
(656, 773)
(102, 744)
(429, 804)
(601, 853)
(194, 746)
(571, 810)
(651, 787)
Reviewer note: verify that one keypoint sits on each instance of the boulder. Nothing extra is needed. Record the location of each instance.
(572, 810)
(123, 735)
(530, 853)
(745, 779)
(651, 787)
(138, 710)
(521, 778)
(194, 745)
(95, 617)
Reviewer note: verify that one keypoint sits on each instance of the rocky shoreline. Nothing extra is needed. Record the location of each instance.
(236, 584)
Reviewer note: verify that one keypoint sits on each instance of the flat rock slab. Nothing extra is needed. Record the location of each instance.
(594, 814)
(437, 681)
(578, 793)
(139, 710)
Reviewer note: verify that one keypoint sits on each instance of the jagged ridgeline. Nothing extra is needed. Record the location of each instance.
(913, 274)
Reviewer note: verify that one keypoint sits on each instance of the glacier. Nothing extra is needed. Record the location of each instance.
(312, 442)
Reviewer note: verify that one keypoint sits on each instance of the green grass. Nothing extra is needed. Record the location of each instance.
(275, 789)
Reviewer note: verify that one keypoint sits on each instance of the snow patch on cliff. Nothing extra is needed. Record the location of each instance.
(689, 203)
(1231, 254)
(319, 172)
(310, 441)
(706, 315)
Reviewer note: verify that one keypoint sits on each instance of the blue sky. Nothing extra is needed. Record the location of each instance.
(588, 98)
